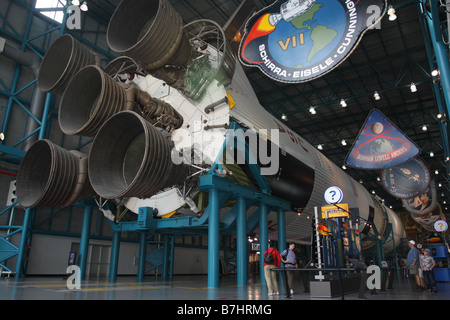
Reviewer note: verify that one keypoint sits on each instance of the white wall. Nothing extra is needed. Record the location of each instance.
(190, 261)
(49, 256)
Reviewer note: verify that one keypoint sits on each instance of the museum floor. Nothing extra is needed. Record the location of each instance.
(190, 288)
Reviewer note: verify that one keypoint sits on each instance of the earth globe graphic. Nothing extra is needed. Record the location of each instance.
(321, 28)
(380, 146)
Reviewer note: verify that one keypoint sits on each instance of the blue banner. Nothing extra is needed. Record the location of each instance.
(380, 145)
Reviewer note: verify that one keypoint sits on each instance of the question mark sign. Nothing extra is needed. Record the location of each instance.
(440, 226)
(333, 193)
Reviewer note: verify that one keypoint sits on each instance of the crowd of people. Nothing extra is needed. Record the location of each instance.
(288, 258)
(419, 264)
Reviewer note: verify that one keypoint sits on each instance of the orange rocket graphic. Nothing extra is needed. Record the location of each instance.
(261, 28)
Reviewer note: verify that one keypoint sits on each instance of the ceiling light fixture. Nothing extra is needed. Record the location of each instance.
(312, 110)
(413, 87)
(343, 103)
(424, 128)
(320, 147)
(436, 172)
(391, 13)
(283, 117)
(431, 154)
(343, 142)
(84, 6)
(376, 95)
(436, 74)
(344, 167)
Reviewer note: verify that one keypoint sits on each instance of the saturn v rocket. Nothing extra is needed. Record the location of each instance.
(159, 116)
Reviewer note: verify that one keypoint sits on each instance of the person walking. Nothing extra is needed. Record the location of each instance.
(413, 263)
(427, 264)
(290, 261)
(272, 259)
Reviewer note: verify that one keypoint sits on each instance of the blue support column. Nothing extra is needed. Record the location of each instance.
(114, 256)
(84, 241)
(281, 230)
(263, 239)
(213, 239)
(171, 254)
(281, 219)
(241, 234)
(166, 263)
(142, 255)
(20, 272)
(440, 50)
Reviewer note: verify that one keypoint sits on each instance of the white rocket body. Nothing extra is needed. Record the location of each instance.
(249, 113)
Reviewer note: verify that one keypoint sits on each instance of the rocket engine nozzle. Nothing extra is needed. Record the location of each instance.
(65, 57)
(92, 97)
(131, 158)
(51, 176)
(150, 32)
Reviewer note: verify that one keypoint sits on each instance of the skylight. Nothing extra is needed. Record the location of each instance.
(51, 4)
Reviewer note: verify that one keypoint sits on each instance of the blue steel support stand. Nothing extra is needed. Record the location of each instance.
(281, 218)
(441, 52)
(113, 266)
(20, 268)
(222, 188)
(281, 229)
(241, 234)
(142, 255)
(168, 252)
(213, 239)
(84, 241)
(263, 239)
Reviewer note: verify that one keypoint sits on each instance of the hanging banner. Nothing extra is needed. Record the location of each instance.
(380, 145)
(296, 41)
(423, 203)
(406, 180)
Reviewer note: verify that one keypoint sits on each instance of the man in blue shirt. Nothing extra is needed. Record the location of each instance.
(413, 262)
(290, 261)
